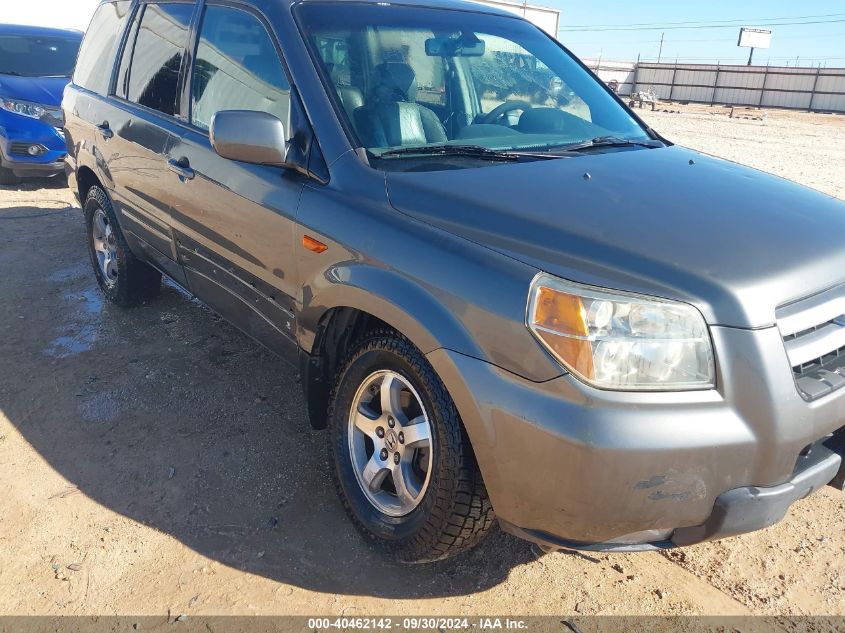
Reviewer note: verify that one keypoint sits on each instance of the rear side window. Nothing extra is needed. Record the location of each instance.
(237, 68)
(96, 57)
(157, 56)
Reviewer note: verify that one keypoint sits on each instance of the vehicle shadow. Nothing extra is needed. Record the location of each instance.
(171, 417)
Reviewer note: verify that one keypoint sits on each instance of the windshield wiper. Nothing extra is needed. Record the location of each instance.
(472, 151)
(606, 141)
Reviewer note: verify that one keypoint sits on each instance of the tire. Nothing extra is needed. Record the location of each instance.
(8, 178)
(452, 512)
(127, 281)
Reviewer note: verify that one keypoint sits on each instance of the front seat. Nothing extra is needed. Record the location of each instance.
(393, 117)
(351, 99)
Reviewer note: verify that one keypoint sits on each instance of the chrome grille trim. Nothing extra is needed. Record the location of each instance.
(815, 343)
(809, 313)
(813, 332)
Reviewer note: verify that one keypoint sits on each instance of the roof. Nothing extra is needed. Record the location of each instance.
(461, 5)
(20, 29)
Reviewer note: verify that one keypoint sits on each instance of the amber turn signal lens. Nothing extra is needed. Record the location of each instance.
(313, 245)
(560, 319)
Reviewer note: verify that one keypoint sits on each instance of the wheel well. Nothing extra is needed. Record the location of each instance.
(338, 331)
(86, 178)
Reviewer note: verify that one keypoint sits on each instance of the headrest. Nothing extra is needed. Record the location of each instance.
(395, 81)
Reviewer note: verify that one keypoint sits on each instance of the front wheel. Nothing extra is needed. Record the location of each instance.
(402, 463)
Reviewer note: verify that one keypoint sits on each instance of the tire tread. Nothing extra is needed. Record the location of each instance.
(138, 282)
(461, 514)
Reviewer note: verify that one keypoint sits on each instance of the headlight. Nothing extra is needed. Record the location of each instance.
(24, 108)
(619, 341)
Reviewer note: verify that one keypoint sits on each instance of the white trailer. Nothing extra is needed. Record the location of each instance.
(544, 17)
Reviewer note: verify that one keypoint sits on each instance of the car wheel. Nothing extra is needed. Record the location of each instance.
(7, 177)
(403, 465)
(123, 278)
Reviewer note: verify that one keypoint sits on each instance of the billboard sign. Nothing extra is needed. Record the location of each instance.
(755, 38)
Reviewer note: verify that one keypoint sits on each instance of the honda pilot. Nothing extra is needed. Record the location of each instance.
(510, 299)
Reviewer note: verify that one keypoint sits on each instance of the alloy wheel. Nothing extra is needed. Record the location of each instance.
(105, 246)
(390, 443)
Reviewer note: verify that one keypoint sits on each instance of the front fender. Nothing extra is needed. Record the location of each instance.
(439, 290)
(411, 308)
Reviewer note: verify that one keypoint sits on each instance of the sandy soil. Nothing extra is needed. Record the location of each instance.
(155, 461)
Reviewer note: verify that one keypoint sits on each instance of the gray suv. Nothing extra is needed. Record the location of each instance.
(509, 298)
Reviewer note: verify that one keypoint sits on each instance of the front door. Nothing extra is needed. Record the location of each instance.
(234, 222)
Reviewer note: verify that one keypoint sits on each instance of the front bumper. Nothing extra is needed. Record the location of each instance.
(17, 132)
(570, 466)
(735, 512)
(27, 169)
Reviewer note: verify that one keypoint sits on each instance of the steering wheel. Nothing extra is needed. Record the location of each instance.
(508, 106)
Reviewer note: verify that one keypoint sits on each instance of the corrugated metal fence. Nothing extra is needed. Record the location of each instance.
(814, 89)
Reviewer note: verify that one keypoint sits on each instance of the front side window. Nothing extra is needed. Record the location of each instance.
(157, 56)
(508, 73)
(237, 67)
(435, 77)
(96, 57)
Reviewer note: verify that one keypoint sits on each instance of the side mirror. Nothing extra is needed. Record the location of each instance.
(249, 137)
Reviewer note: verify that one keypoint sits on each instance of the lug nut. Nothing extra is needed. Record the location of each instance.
(383, 454)
(401, 437)
(396, 458)
(391, 422)
(380, 432)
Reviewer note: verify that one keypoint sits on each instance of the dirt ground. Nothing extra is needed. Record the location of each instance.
(155, 461)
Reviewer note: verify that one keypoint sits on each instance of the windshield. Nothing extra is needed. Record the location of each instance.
(38, 56)
(415, 77)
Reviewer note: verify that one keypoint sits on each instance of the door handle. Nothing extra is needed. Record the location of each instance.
(105, 130)
(181, 168)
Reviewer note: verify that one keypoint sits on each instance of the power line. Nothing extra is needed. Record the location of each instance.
(710, 39)
(667, 24)
(565, 29)
(673, 58)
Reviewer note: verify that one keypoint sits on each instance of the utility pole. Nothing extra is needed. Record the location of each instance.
(660, 53)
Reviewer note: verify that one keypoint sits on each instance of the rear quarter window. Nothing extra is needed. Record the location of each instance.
(96, 56)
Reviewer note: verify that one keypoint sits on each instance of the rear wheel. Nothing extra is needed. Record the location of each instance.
(7, 177)
(124, 279)
(403, 466)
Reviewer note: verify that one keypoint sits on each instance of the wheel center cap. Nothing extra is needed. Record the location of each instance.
(391, 440)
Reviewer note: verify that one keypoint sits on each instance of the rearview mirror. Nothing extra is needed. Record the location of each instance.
(467, 45)
(249, 137)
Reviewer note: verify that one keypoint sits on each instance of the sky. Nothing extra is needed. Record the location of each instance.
(810, 44)
(822, 42)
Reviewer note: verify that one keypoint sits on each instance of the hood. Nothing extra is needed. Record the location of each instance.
(669, 222)
(43, 90)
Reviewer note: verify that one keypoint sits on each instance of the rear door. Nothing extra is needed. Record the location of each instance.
(141, 124)
(234, 221)
(85, 103)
